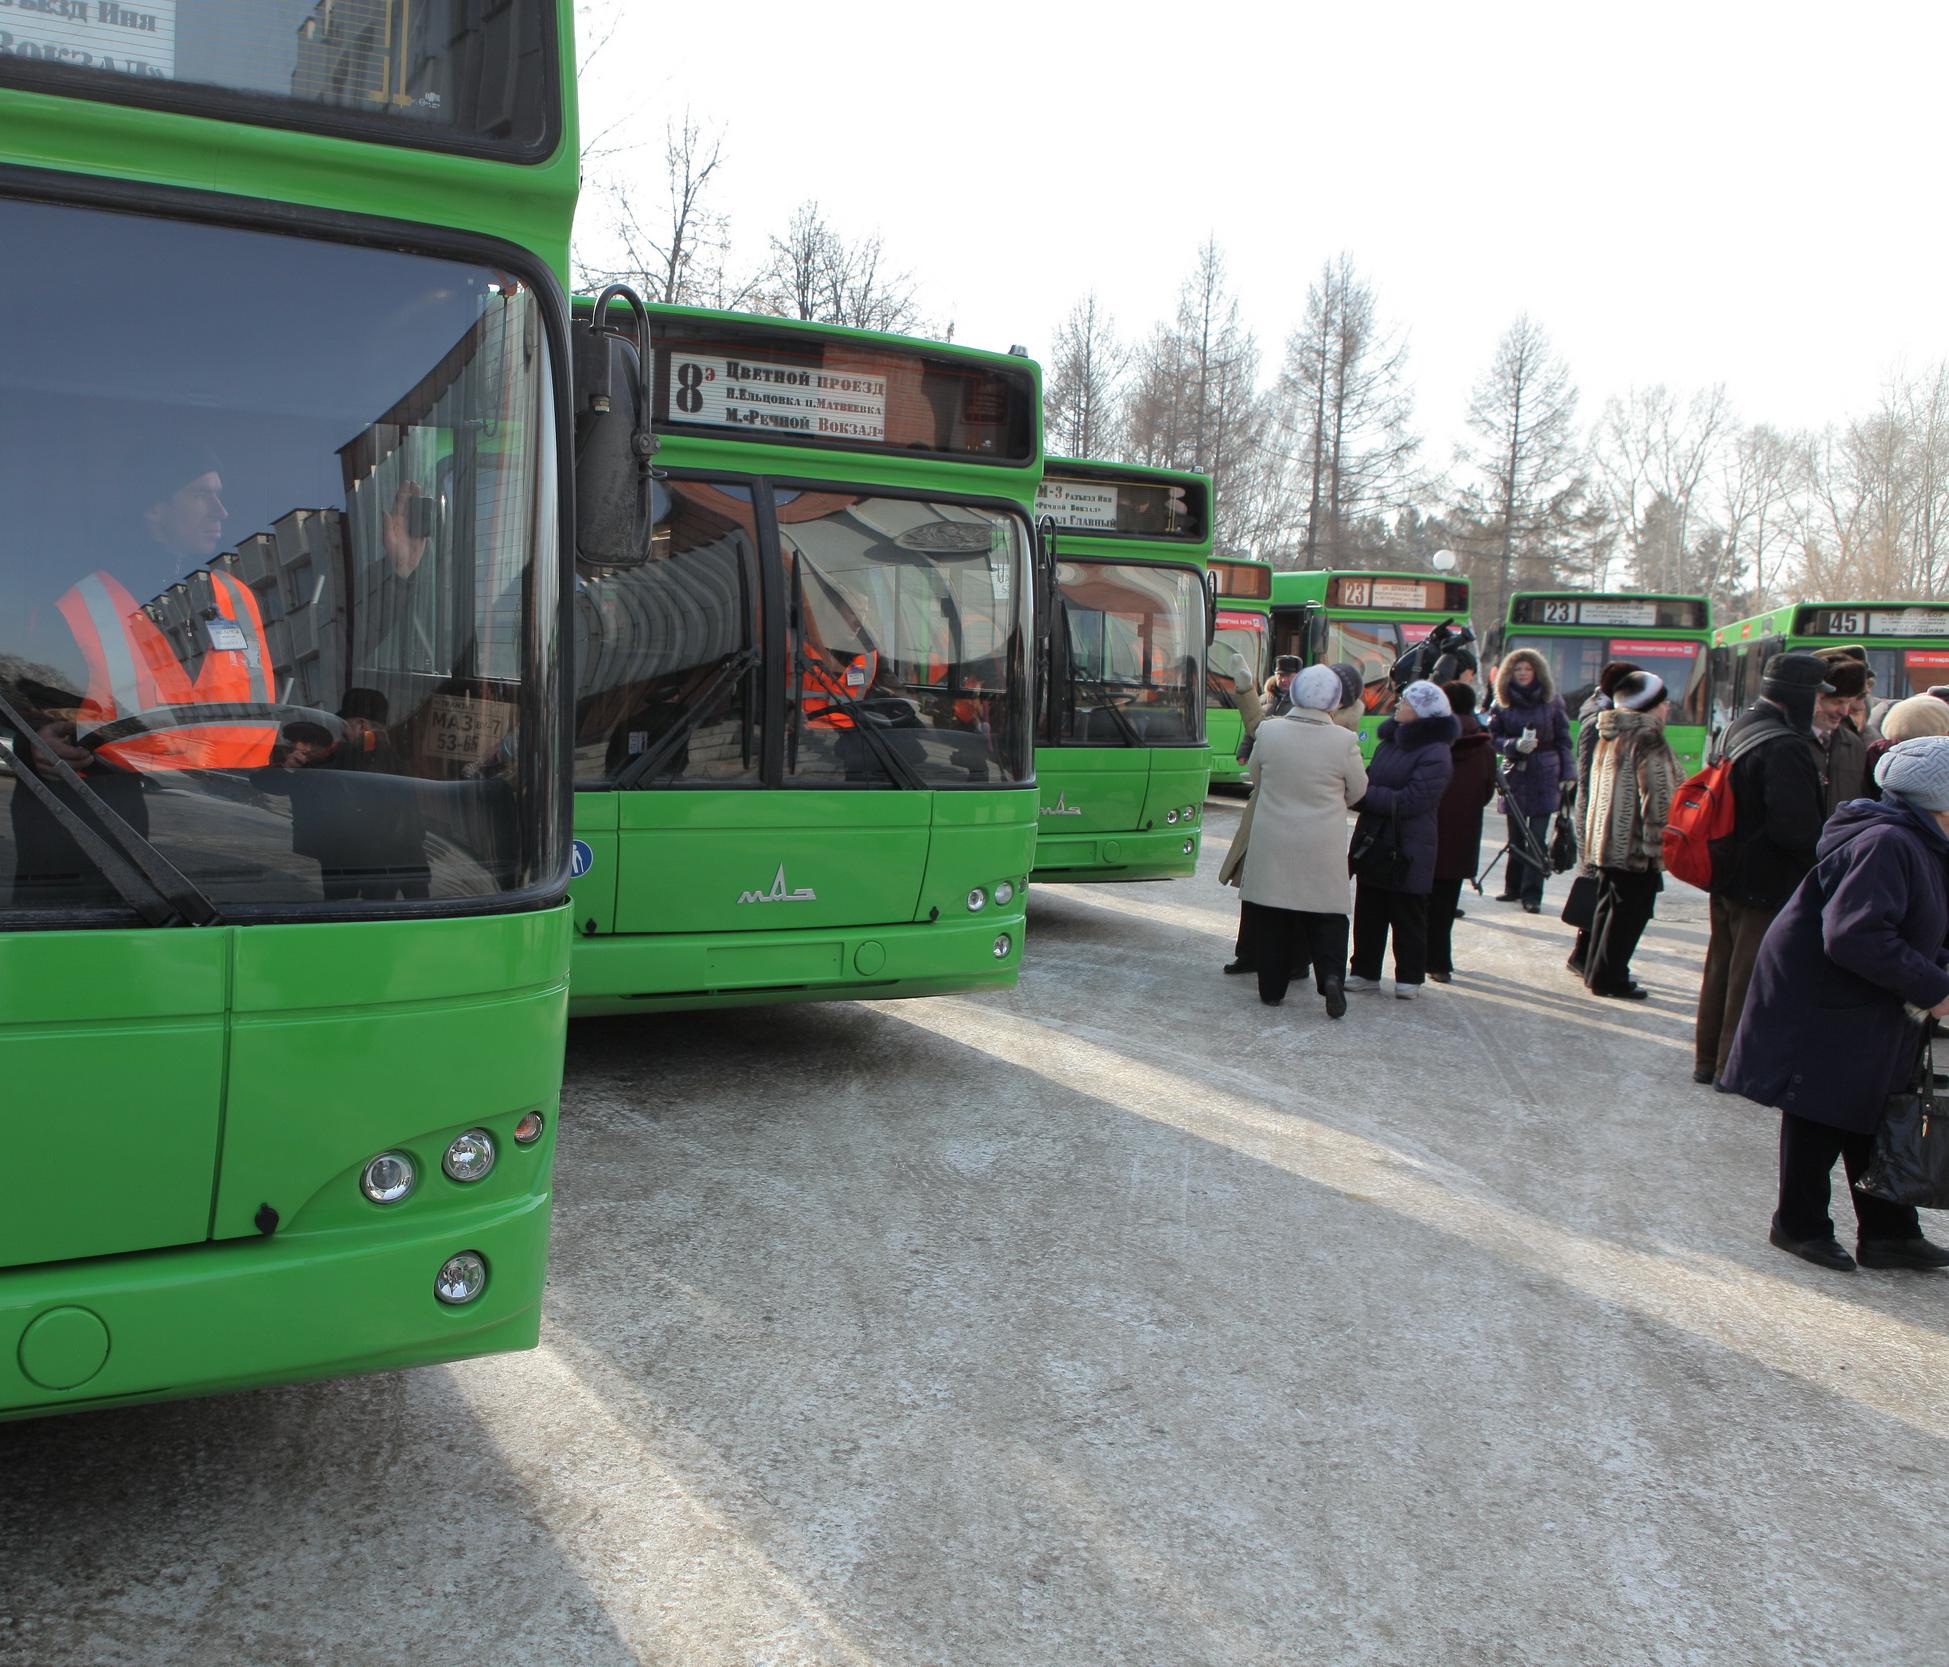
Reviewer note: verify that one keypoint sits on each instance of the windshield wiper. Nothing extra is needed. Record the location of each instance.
(160, 892)
(899, 771)
(666, 748)
(1126, 730)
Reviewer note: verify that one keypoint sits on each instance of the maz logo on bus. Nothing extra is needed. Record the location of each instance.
(1059, 808)
(779, 892)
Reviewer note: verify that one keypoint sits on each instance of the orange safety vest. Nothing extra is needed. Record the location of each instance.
(824, 696)
(132, 668)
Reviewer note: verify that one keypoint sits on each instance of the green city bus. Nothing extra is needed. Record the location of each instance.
(1907, 645)
(804, 746)
(284, 834)
(1121, 760)
(1579, 632)
(1242, 589)
(1365, 619)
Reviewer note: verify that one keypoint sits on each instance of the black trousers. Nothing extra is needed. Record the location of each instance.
(1443, 901)
(1521, 877)
(1625, 901)
(1375, 914)
(1245, 948)
(1807, 1154)
(1283, 937)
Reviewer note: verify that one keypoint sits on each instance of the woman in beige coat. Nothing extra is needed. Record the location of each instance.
(1306, 775)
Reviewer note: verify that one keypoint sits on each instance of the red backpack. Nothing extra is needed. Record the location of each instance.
(1702, 817)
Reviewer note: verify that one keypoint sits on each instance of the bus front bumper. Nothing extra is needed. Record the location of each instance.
(649, 973)
(1161, 854)
(244, 1313)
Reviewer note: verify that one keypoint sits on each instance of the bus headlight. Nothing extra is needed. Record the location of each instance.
(1003, 945)
(388, 1178)
(470, 1157)
(977, 900)
(461, 1278)
(1170, 816)
(1004, 894)
(1190, 845)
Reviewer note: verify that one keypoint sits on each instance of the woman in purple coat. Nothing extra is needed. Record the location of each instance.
(1393, 878)
(1826, 1034)
(1537, 744)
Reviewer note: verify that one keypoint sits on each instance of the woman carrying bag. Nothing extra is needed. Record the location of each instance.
(1306, 774)
(1827, 1034)
(1394, 842)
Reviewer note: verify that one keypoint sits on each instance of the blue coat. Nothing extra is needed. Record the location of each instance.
(1410, 770)
(1534, 777)
(1824, 1034)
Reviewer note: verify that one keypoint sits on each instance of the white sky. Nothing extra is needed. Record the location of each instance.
(1677, 193)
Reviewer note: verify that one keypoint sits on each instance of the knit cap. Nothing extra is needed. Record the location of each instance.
(1917, 772)
(1426, 700)
(1640, 691)
(1318, 688)
(1918, 715)
(1352, 684)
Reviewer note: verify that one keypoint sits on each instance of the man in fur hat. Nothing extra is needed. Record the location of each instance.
(1843, 748)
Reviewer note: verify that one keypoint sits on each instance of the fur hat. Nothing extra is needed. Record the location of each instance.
(1426, 700)
(1918, 715)
(1917, 772)
(1614, 673)
(1461, 697)
(1318, 688)
(1640, 691)
(1848, 675)
(1352, 684)
(1787, 672)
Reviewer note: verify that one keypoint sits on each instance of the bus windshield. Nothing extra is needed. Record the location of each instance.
(906, 645)
(1373, 645)
(277, 580)
(1135, 639)
(1240, 636)
(1576, 661)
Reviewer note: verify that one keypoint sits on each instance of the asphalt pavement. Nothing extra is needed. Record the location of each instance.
(1117, 1319)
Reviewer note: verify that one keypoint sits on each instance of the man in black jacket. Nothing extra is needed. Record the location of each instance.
(1779, 803)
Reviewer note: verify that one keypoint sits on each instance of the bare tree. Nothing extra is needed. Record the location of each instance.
(1762, 479)
(817, 274)
(1346, 415)
(1079, 397)
(1528, 512)
(1653, 454)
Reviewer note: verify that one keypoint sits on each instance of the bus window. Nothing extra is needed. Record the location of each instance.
(1576, 661)
(666, 680)
(1241, 634)
(1373, 645)
(1136, 640)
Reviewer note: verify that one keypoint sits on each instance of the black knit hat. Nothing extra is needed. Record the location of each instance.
(1461, 696)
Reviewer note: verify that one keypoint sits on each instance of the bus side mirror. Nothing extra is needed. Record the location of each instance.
(1046, 597)
(1313, 633)
(1211, 608)
(615, 508)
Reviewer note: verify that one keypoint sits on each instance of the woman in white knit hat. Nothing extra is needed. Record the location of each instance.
(1633, 776)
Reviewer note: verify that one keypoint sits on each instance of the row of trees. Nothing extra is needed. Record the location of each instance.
(1317, 459)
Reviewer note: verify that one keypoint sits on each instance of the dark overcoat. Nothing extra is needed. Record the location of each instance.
(1534, 777)
(1458, 818)
(1824, 1034)
(1411, 768)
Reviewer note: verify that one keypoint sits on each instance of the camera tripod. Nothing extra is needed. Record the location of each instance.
(1532, 847)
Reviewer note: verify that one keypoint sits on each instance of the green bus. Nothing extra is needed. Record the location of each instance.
(1907, 645)
(1121, 758)
(1579, 632)
(1242, 592)
(283, 444)
(1366, 619)
(804, 744)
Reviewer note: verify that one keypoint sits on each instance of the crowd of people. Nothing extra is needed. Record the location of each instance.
(1828, 953)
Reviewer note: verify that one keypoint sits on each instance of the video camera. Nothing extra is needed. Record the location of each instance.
(1424, 659)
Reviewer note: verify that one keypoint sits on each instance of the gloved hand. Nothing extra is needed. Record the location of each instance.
(1526, 744)
(1240, 672)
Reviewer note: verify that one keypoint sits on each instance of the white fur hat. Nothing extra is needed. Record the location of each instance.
(1317, 687)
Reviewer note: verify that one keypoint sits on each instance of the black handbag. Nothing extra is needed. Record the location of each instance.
(1563, 845)
(1580, 907)
(1376, 855)
(1910, 1160)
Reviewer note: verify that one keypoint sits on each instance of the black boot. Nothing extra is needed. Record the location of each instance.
(1335, 993)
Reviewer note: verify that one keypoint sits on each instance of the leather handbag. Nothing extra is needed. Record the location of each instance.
(1580, 907)
(1910, 1160)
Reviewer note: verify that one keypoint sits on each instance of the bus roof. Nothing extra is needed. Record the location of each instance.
(1921, 619)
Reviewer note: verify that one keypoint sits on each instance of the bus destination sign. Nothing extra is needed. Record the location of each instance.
(757, 396)
(1877, 622)
(1397, 595)
(134, 39)
(1565, 610)
(1077, 503)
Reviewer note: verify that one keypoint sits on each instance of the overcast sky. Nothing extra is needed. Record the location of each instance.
(1688, 194)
